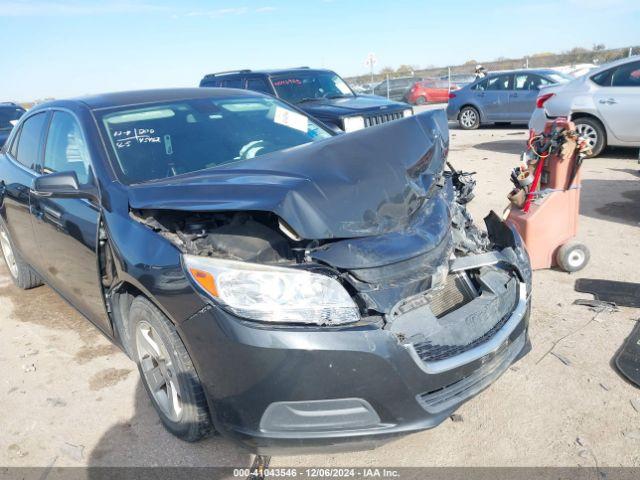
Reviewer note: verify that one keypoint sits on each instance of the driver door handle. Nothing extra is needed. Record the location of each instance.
(608, 101)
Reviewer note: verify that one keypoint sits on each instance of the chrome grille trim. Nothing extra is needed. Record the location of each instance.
(379, 119)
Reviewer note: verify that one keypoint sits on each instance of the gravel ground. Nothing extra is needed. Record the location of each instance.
(69, 398)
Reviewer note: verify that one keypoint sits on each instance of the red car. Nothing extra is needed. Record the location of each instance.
(428, 91)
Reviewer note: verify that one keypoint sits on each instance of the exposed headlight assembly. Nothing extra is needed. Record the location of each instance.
(351, 124)
(272, 294)
(407, 113)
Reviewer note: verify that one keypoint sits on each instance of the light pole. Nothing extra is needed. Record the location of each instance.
(370, 62)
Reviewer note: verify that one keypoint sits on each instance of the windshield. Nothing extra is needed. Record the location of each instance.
(307, 86)
(9, 116)
(169, 139)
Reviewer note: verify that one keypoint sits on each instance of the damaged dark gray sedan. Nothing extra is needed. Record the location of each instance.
(291, 288)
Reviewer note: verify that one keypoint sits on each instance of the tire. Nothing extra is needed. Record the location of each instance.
(573, 256)
(594, 132)
(469, 118)
(421, 100)
(22, 274)
(167, 372)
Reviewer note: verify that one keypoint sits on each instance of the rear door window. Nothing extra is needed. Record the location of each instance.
(234, 82)
(626, 75)
(258, 84)
(29, 142)
(226, 82)
(529, 81)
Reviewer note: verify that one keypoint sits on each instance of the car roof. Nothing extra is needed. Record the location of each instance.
(522, 70)
(615, 63)
(141, 97)
(276, 71)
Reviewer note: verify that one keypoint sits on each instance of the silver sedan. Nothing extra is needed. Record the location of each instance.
(604, 104)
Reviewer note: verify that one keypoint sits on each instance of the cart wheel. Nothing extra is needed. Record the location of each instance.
(572, 257)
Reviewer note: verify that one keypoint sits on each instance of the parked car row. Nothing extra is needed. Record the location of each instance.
(418, 91)
(501, 97)
(604, 103)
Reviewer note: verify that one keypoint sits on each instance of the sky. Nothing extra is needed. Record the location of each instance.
(65, 48)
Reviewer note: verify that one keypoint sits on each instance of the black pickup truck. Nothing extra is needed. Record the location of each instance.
(10, 113)
(320, 93)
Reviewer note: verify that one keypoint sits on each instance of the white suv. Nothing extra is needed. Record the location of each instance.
(604, 104)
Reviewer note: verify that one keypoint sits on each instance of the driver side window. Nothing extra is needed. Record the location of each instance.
(65, 148)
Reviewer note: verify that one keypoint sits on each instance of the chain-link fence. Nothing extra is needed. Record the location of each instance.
(387, 84)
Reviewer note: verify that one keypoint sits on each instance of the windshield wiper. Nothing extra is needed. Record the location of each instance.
(338, 95)
(308, 99)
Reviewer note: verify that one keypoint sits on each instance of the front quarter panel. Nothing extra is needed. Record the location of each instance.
(148, 261)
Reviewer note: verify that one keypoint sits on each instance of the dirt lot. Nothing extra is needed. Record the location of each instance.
(70, 398)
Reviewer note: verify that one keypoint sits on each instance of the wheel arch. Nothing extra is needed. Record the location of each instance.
(120, 300)
(581, 114)
(606, 134)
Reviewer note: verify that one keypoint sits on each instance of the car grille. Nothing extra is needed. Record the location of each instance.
(432, 353)
(372, 120)
(501, 308)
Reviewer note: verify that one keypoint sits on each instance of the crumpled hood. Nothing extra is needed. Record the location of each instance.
(366, 183)
(360, 104)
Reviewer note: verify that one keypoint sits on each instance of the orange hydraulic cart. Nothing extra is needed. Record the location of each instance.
(546, 200)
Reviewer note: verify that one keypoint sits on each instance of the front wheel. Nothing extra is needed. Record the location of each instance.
(167, 372)
(421, 100)
(469, 118)
(593, 131)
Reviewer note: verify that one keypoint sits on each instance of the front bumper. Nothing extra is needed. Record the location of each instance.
(302, 390)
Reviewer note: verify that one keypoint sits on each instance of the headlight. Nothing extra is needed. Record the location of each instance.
(351, 124)
(272, 294)
(407, 113)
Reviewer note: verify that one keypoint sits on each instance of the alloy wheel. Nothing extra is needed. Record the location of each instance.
(468, 118)
(589, 133)
(158, 371)
(7, 251)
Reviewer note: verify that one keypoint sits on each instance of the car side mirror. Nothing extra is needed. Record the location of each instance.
(62, 185)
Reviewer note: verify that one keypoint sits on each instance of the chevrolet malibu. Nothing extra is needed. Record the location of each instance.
(290, 288)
